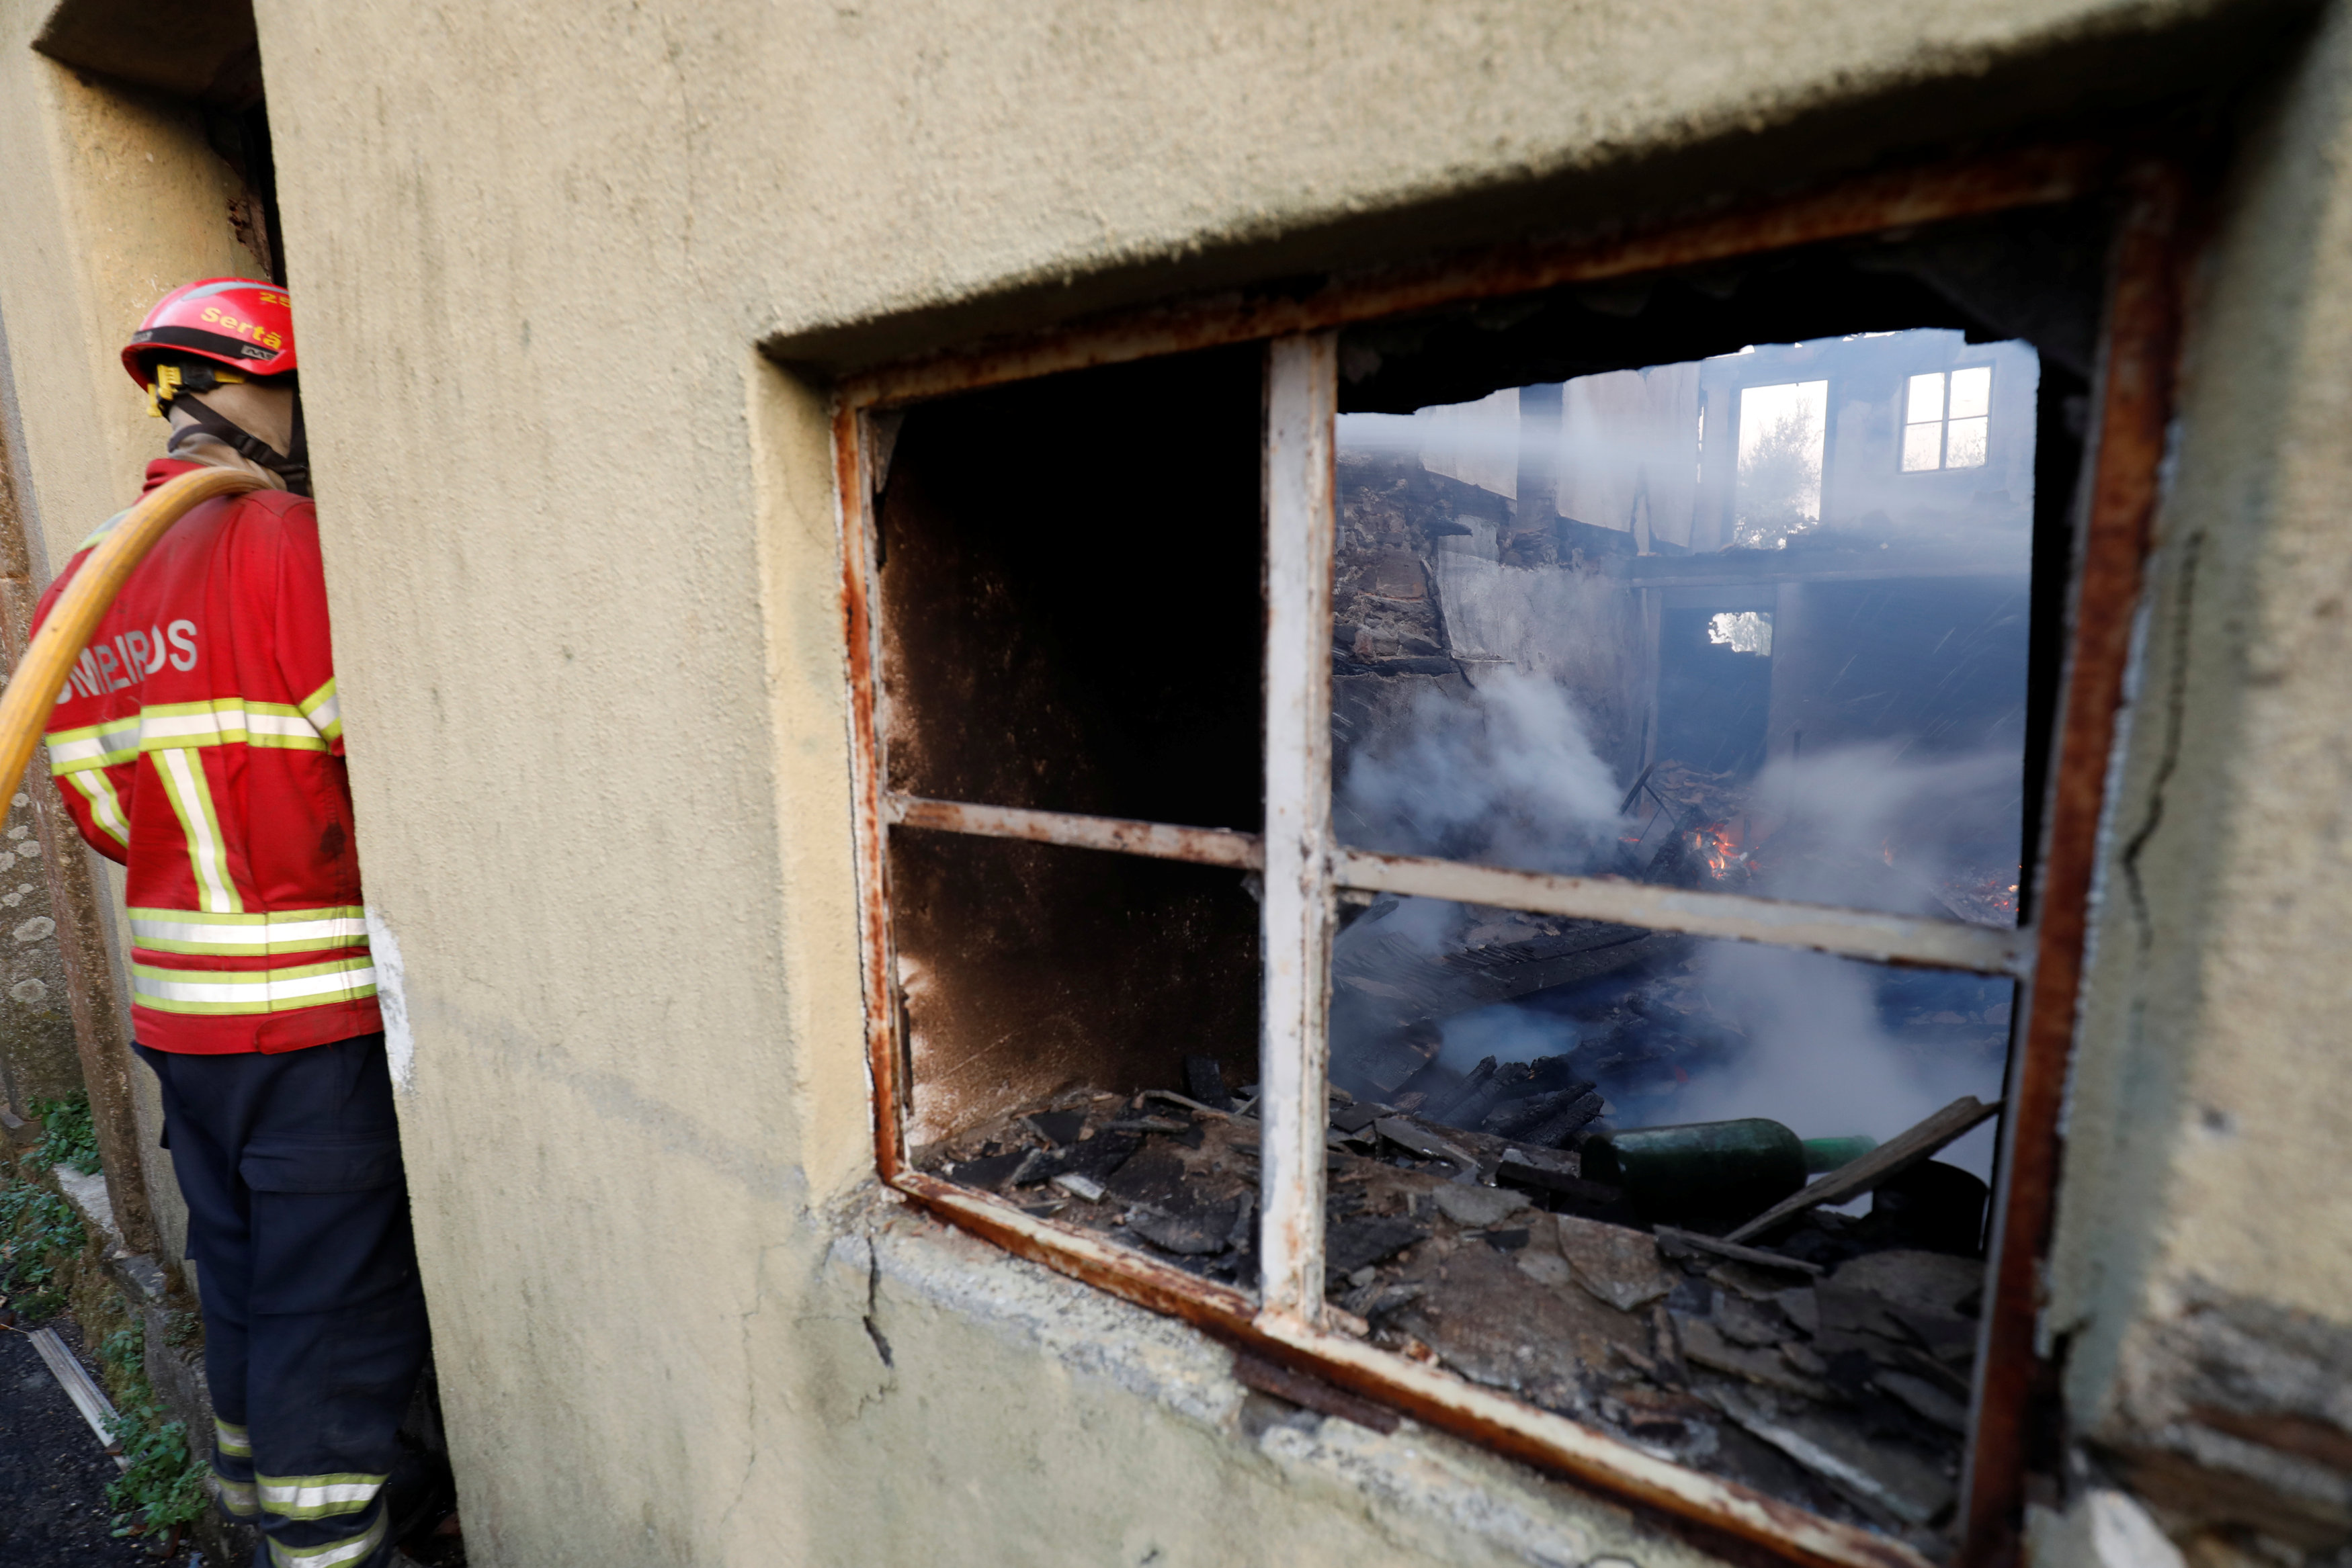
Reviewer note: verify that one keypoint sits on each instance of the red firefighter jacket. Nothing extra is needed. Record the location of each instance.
(198, 743)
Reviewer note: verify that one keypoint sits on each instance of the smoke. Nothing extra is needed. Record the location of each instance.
(1820, 1059)
(1506, 777)
(1828, 1047)
(1506, 1033)
(1428, 924)
(1882, 826)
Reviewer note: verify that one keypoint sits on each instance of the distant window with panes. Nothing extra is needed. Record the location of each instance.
(1947, 419)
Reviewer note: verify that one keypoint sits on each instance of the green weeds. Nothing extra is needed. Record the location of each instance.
(123, 1353)
(67, 1136)
(39, 1233)
(165, 1483)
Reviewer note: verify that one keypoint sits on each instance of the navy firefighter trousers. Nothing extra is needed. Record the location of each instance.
(314, 1319)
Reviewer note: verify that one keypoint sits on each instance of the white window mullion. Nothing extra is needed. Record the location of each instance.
(1301, 402)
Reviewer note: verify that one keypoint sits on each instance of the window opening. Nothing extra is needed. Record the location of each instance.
(1742, 631)
(1629, 853)
(1783, 433)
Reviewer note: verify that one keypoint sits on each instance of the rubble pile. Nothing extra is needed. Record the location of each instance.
(1541, 1102)
(1827, 1362)
(1161, 1170)
(1393, 984)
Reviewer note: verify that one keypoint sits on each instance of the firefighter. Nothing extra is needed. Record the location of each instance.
(198, 743)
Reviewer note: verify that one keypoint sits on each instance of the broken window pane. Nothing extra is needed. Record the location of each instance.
(1599, 673)
(1793, 665)
(1062, 1007)
(1071, 613)
(1521, 1103)
(1072, 620)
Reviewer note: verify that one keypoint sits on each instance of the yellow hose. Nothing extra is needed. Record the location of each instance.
(32, 690)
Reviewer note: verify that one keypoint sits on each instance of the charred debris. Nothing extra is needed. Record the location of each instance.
(1823, 1358)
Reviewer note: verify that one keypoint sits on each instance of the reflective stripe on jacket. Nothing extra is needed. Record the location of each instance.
(199, 743)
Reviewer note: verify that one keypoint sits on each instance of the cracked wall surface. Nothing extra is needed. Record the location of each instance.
(1207, 1480)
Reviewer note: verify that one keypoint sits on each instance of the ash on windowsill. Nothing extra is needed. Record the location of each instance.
(1826, 1364)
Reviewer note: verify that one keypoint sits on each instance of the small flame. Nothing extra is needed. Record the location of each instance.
(1718, 846)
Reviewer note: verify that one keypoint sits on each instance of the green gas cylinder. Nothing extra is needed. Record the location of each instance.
(1708, 1170)
(1828, 1153)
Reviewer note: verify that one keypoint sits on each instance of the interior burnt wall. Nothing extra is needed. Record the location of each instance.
(1436, 583)
(1712, 701)
(1071, 612)
(1027, 968)
(1072, 621)
(1845, 653)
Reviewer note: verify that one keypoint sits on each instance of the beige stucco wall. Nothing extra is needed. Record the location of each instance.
(580, 543)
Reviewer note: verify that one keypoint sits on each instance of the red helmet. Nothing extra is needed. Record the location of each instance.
(233, 321)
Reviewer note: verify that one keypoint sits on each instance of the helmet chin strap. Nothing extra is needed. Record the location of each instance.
(294, 467)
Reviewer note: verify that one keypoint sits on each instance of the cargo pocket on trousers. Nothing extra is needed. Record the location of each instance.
(321, 1164)
(330, 1222)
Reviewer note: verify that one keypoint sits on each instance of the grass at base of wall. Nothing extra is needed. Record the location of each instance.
(41, 1243)
(69, 1136)
(50, 1264)
(165, 1485)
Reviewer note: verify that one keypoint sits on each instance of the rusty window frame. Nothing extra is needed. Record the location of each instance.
(2132, 393)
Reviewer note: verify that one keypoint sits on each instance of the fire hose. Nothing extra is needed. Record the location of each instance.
(32, 691)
